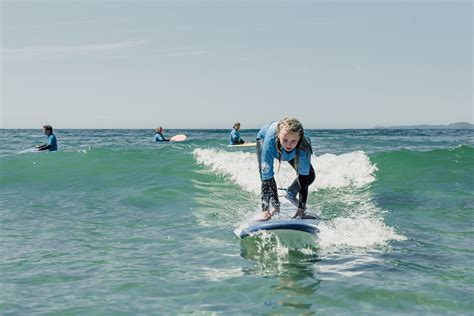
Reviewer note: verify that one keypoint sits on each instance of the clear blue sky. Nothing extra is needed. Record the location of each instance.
(206, 64)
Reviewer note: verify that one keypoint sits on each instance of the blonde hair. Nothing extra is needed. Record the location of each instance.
(293, 125)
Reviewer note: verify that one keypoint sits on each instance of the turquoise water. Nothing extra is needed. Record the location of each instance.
(114, 224)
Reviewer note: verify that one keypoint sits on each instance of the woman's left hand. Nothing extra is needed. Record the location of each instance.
(299, 213)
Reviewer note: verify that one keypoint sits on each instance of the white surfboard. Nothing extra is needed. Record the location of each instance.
(243, 145)
(31, 150)
(178, 138)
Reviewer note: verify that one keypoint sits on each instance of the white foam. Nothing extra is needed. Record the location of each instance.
(240, 167)
(279, 249)
(332, 171)
(337, 171)
(270, 253)
(343, 232)
(219, 275)
(358, 222)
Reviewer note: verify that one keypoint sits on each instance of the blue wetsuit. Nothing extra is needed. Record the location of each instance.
(160, 138)
(234, 138)
(266, 154)
(52, 142)
(269, 153)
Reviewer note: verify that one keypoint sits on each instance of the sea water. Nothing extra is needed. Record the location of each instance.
(115, 224)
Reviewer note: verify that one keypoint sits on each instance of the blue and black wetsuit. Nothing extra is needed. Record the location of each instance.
(52, 144)
(160, 138)
(267, 152)
(234, 138)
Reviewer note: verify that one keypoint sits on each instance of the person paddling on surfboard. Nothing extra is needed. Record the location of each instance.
(52, 144)
(234, 138)
(159, 135)
(284, 140)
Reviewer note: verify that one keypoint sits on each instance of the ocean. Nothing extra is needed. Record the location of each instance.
(115, 224)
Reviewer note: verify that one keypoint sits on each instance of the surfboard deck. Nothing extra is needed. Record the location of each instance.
(31, 150)
(178, 138)
(295, 225)
(282, 222)
(243, 145)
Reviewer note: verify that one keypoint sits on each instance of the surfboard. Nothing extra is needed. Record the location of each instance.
(178, 138)
(31, 150)
(282, 224)
(243, 145)
(308, 226)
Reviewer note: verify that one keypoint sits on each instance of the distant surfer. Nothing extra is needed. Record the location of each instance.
(52, 144)
(159, 135)
(234, 138)
(284, 140)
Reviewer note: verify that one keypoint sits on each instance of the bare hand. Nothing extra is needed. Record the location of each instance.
(299, 213)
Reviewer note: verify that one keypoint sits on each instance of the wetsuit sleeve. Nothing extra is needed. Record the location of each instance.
(235, 137)
(268, 155)
(304, 164)
(232, 137)
(269, 195)
(160, 138)
(44, 147)
(304, 184)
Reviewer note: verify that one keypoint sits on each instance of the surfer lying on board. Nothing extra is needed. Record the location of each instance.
(159, 135)
(284, 140)
(234, 138)
(52, 144)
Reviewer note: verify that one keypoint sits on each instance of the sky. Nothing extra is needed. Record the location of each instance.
(206, 64)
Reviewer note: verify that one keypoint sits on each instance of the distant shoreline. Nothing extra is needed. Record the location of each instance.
(458, 125)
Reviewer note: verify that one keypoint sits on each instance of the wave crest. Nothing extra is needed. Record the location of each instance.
(332, 171)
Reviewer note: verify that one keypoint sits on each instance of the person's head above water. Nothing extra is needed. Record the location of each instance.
(289, 132)
(237, 125)
(47, 129)
(159, 129)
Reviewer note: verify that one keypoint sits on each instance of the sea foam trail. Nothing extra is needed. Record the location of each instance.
(332, 171)
(361, 232)
(358, 223)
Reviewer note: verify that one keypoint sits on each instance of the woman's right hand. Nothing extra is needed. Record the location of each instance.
(299, 213)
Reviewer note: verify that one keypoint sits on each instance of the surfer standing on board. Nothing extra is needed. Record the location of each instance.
(284, 140)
